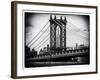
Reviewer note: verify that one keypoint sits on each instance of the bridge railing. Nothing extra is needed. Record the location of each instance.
(79, 51)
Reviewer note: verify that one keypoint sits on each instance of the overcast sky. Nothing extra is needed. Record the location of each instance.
(77, 29)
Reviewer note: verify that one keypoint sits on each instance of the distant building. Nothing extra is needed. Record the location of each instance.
(33, 53)
(76, 46)
(69, 48)
(48, 48)
(27, 51)
(44, 49)
(41, 51)
(82, 46)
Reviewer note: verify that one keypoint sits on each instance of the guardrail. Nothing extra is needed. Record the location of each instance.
(70, 53)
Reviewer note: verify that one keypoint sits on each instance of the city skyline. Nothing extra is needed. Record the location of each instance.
(53, 40)
(36, 21)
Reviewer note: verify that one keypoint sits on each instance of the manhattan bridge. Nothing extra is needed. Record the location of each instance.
(56, 52)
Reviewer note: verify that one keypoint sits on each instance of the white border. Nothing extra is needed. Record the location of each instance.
(57, 69)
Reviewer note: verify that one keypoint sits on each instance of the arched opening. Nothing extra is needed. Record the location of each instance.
(58, 33)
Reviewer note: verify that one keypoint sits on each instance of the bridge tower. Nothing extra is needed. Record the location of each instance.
(57, 34)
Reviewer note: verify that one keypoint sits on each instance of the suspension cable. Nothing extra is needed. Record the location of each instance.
(37, 34)
(38, 37)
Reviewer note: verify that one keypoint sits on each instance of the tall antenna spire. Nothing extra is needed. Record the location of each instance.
(61, 17)
(65, 19)
(55, 17)
(50, 16)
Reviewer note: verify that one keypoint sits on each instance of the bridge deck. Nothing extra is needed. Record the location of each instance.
(60, 55)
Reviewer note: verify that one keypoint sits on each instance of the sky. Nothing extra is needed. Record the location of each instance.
(77, 29)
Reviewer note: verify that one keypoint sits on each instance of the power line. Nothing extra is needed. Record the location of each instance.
(37, 34)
